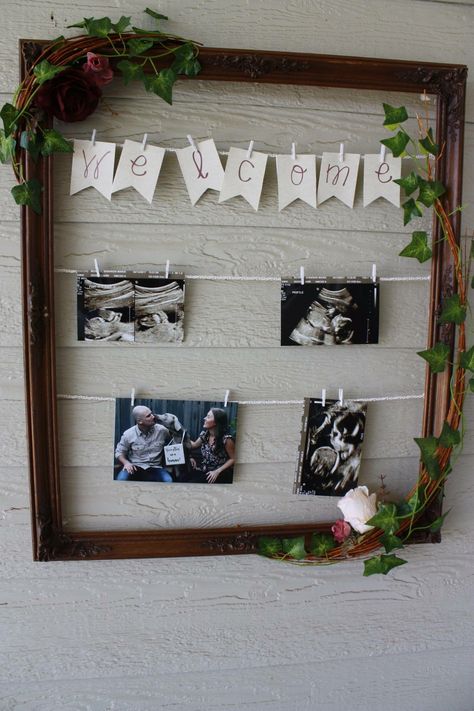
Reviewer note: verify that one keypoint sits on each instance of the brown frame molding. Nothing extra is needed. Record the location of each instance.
(50, 541)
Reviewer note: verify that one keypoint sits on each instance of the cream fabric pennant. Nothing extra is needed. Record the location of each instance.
(93, 167)
(338, 178)
(244, 176)
(379, 177)
(296, 179)
(202, 168)
(139, 168)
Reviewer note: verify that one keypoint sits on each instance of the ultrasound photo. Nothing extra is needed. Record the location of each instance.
(130, 307)
(331, 444)
(159, 310)
(105, 308)
(329, 312)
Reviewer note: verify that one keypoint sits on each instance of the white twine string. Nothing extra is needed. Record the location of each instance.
(231, 277)
(385, 398)
(274, 155)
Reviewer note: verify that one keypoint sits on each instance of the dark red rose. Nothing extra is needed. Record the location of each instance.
(70, 96)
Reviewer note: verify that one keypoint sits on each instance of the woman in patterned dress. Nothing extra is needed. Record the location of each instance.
(217, 450)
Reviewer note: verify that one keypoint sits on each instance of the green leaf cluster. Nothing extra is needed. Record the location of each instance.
(382, 564)
(320, 545)
(418, 247)
(429, 446)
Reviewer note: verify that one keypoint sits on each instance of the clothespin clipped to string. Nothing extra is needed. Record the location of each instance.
(341, 153)
(323, 397)
(302, 276)
(226, 397)
(132, 398)
(250, 149)
(192, 142)
(293, 151)
(94, 133)
(374, 279)
(145, 139)
(383, 153)
(96, 267)
(341, 396)
(167, 269)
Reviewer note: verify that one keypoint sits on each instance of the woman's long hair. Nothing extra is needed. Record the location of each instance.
(220, 418)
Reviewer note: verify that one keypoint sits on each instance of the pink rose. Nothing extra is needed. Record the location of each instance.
(98, 69)
(341, 530)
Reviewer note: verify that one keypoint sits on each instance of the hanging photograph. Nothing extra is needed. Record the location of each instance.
(329, 312)
(330, 450)
(130, 307)
(105, 308)
(175, 441)
(159, 310)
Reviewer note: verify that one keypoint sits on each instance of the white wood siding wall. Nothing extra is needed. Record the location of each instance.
(233, 632)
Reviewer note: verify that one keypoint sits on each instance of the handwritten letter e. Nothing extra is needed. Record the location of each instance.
(93, 167)
(244, 176)
(379, 177)
(338, 178)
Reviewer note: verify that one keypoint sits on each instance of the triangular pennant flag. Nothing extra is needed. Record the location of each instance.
(338, 178)
(379, 177)
(244, 176)
(93, 167)
(139, 168)
(201, 168)
(296, 179)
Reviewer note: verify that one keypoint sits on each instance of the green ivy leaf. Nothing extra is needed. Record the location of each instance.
(467, 359)
(409, 184)
(428, 145)
(417, 499)
(436, 357)
(32, 142)
(185, 61)
(382, 564)
(386, 518)
(410, 210)
(418, 247)
(28, 193)
(453, 311)
(83, 23)
(155, 15)
(269, 546)
(99, 28)
(397, 143)
(121, 25)
(321, 543)
(437, 523)
(430, 190)
(428, 447)
(449, 437)
(391, 542)
(404, 509)
(130, 71)
(7, 147)
(54, 142)
(44, 71)
(138, 46)
(9, 115)
(294, 547)
(471, 385)
(394, 116)
(161, 84)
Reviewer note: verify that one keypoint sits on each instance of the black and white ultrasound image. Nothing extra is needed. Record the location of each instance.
(323, 313)
(331, 447)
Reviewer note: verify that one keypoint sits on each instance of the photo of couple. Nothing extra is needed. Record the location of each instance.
(175, 441)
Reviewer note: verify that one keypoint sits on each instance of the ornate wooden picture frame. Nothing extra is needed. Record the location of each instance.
(50, 540)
